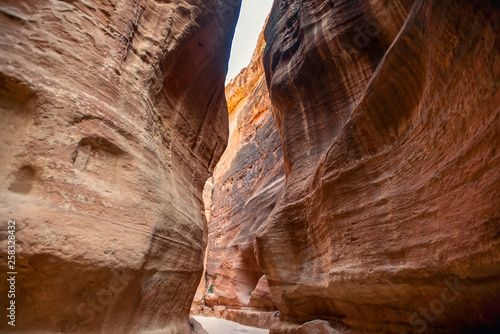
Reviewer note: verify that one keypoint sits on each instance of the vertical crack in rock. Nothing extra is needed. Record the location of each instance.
(246, 185)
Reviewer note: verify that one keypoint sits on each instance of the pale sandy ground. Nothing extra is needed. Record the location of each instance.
(221, 326)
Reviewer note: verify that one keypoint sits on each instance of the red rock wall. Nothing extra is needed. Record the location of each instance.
(388, 113)
(247, 183)
(113, 117)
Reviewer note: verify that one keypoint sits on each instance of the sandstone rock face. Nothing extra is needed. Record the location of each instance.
(247, 183)
(113, 117)
(388, 113)
(197, 307)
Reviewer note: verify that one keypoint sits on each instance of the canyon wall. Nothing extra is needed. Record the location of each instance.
(388, 112)
(113, 117)
(246, 185)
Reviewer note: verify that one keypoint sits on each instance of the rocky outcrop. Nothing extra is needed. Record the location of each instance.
(388, 113)
(247, 183)
(113, 117)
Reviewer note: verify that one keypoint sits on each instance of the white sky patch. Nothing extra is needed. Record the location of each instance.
(250, 23)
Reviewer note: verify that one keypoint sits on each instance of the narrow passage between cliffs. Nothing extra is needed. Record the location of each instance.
(217, 300)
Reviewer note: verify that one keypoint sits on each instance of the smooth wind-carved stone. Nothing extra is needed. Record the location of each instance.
(388, 113)
(113, 116)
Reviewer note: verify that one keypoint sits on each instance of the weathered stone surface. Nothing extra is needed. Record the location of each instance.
(199, 297)
(251, 317)
(247, 183)
(207, 196)
(220, 311)
(388, 113)
(310, 327)
(113, 117)
(208, 312)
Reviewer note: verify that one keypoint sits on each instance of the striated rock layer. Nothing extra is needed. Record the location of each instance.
(247, 183)
(113, 117)
(388, 113)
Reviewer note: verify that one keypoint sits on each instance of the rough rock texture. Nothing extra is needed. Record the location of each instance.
(247, 183)
(198, 304)
(113, 116)
(389, 117)
(207, 196)
(310, 327)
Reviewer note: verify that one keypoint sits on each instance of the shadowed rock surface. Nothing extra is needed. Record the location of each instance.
(113, 116)
(388, 113)
(246, 184)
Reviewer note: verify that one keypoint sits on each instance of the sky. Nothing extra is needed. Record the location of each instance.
(250, 23)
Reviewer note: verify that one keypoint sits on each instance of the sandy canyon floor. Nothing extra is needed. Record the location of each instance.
(218, 326)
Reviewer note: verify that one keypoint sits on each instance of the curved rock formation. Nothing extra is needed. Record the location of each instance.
(113, 117)
(247, 183)
(388, 113)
